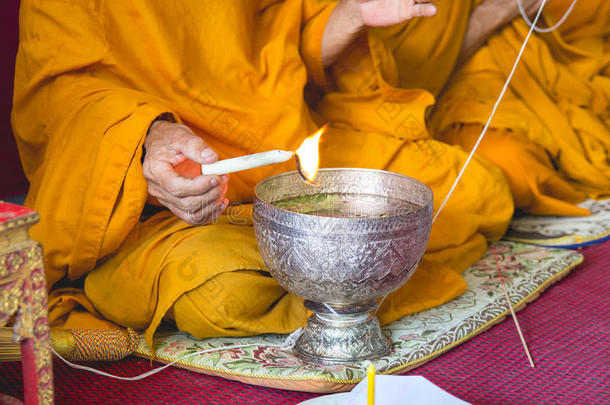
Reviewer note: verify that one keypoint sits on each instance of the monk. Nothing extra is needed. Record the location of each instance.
(117, 105)
(553, 127)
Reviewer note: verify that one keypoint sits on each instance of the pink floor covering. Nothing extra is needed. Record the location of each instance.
(568, 330)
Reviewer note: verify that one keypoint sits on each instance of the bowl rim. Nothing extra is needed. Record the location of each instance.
(354, 169)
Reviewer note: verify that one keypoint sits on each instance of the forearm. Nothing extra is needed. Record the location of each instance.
(484, 20)
(344, 26)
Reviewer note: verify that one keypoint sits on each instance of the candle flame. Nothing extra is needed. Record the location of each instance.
(308, 158)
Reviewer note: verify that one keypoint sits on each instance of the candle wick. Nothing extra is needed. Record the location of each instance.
(300, 171)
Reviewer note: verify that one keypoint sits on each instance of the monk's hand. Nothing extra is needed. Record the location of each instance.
(350, 17)
(172, 151)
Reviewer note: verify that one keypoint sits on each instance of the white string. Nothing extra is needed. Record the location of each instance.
(286, 345)
(554, 27)
(343, 320)
(493, 111)
(331, 309)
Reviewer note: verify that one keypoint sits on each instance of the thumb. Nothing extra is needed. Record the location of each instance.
(424, 10)
(195, 148)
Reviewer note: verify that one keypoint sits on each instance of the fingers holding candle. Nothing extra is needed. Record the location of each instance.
(205, 214)
(194, 209)
(176, 142)
(192, 197)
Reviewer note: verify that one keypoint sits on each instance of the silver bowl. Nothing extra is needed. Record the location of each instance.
(343, 260)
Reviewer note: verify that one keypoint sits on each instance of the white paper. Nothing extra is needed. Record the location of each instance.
(401, 389)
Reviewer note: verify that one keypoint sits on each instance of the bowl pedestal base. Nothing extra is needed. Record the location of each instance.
(337, 334)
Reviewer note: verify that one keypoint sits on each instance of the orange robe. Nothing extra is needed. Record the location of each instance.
(551, 132)
(91, 79)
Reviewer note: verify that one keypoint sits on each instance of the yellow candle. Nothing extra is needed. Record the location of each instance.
(370, 373)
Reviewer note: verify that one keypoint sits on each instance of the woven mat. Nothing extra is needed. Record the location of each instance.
(565, 232)
(416, 339)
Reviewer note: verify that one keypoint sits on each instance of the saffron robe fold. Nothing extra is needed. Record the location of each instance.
(92, 76)
(551, 132)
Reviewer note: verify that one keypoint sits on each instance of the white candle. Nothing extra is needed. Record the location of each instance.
(246, 162)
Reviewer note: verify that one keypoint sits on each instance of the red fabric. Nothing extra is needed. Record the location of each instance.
(12, 179)
(567, 329)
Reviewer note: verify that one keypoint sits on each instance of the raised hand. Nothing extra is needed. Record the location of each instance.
(351, 17)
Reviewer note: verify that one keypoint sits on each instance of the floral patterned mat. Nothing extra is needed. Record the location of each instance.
(417, 338)
(566, 232)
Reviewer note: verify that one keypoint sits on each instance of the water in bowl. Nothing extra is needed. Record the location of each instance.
(343, 205)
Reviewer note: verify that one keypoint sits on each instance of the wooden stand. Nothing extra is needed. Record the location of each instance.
(23, 300)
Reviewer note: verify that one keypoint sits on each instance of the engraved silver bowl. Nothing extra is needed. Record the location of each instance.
(341, 265)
